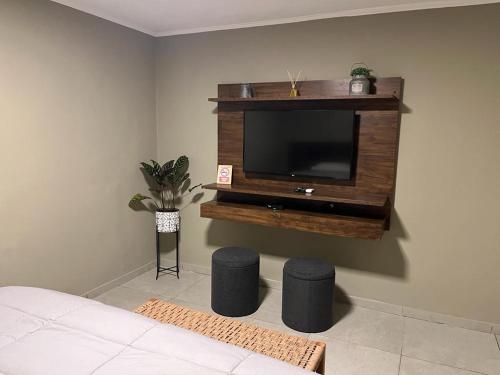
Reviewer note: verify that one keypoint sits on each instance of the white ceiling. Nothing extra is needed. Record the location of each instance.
(171, 17)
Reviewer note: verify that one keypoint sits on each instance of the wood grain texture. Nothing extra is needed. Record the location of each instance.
(390, 86)
(373, 181)
(357, 98)
(368, 200)
(345, 226)
(375, 165)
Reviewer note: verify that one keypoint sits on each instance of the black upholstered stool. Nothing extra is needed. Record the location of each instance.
(308, 294)
(235, 281)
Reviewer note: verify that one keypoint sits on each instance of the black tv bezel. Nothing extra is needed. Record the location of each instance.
(298, 177)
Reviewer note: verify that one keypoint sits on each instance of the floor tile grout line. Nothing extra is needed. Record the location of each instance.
(129, 287)
(377, 349)
(445, 365)
(204, 277)
(443, 324)
(404, 336)
(401, 354)
(402, 314)
(369, 308)
(157, 294)
(182, 290)
(425, 360)
(178, 299)
(352, 343)
(362, 345)
(254, 320)
(178, 296)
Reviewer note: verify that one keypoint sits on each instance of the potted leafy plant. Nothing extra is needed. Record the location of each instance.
(168, 182)
(360, 84)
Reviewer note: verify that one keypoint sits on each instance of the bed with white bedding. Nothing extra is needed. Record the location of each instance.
(44, 332)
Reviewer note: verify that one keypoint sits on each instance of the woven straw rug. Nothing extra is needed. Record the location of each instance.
(296, 350)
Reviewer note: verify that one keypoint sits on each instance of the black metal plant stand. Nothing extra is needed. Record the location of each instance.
(168, 270)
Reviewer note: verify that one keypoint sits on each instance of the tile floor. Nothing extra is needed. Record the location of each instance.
(363, 341)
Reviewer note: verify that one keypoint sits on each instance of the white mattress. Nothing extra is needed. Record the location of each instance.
(43, 332)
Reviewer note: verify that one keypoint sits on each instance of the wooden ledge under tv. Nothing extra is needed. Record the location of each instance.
(359, 208)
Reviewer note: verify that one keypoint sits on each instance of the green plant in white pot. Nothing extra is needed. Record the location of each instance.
(360, 82)
(168, 182)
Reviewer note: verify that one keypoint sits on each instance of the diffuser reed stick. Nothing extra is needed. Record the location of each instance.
(293, 82)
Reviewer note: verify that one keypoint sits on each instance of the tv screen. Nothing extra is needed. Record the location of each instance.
(299, 143)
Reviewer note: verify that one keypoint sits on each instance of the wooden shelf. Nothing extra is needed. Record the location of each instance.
(359, 208)
(377, 97)
(364, 200)
(338, 225)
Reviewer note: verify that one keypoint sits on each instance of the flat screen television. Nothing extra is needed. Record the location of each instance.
(300, 143)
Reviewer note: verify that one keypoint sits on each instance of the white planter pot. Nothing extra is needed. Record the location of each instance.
(167, 222)
(359, 85)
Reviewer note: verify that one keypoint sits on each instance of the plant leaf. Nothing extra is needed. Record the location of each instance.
(167, 169)
(156, 167)
(167, 166)
(181, 165)
(180, 178)
(194, 187)
(148, 169)
(138, 198)
(158, 174)
(361, 72)
(171, 177)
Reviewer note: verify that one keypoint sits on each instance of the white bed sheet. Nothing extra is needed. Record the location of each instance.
(44, 332)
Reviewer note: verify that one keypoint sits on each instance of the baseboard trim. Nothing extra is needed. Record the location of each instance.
(119, 280)
(406, 311)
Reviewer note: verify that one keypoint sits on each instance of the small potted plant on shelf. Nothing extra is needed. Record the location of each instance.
(360, 83)
(168, 182)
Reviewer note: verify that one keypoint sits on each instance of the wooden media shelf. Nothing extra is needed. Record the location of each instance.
(367, 200)
(316, 222)
(372, 97)
(359, 208)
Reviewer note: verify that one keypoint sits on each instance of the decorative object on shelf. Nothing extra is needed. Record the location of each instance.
(246, 90)
(168, 183)
(303, 190)
(362, 207)
(224, 174)
(360, 84)
(293, 81)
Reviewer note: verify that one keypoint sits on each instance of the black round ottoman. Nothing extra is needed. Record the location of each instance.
(235, 281)
(308, 294)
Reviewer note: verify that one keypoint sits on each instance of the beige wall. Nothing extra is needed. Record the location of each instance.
(443, 252)
(77, 114)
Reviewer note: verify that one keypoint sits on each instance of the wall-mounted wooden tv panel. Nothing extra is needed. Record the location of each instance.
(360, 207)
